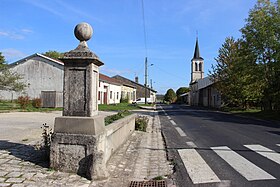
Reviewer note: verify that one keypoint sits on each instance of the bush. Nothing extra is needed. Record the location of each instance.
(121, 114)
(124, 100)
(37, 103)
(23, 101)
(141, 123)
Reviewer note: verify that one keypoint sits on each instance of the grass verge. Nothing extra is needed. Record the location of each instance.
(117, 107)
(260, 114)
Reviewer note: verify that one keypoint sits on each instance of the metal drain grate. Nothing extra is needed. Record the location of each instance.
(156, 183)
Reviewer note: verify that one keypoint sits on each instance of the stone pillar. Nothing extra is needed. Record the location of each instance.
(81, 76)
(74, 146)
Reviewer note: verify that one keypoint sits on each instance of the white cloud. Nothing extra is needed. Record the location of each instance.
(11, 35)
(17, 34)
(27, 31)
(43, 6)
(112, 72)
(12, 55)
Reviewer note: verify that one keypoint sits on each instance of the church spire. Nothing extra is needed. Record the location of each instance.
(196, 51)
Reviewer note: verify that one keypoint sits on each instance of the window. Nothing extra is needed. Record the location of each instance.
(196, 66)
(117, 95)
(111, 94)
(200, 66)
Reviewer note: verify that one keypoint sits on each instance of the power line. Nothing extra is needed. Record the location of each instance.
(144, 28)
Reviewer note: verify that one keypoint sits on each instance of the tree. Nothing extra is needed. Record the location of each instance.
(9, 80)
(248, 69)
(170, 96)
(2, 60)
(261, 37)
(181, 91)
(53, 54)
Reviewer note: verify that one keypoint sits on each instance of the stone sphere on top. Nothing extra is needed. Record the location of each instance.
(83, 31)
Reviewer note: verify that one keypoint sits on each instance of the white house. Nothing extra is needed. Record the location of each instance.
(109, 90)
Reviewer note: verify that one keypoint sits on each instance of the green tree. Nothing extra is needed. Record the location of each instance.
(2, 60)
(261, 37)
(247, 71)
(224, 72)
(53, 54)
(170, 96)
(181, 91)
(9, 80)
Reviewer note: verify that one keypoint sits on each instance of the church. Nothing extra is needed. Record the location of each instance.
(203, 91)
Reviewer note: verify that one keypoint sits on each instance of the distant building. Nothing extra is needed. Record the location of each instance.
(40, 73)
(109, 90)
(139, 87)
(44, 79)
(203, 92)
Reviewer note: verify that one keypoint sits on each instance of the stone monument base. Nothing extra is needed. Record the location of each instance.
(75, 146)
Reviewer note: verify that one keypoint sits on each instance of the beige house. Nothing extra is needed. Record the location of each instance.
(128, 92)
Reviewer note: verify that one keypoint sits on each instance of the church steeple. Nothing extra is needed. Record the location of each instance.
(197, 66)
(196, 51)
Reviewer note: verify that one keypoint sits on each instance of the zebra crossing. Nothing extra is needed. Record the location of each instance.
(200, 172)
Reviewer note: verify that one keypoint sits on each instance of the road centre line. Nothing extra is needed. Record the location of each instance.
(168, 117)
(197, 168)
(268, 153)
(180, 131)
(246, 168)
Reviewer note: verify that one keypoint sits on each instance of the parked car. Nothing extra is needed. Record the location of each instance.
(141, 100)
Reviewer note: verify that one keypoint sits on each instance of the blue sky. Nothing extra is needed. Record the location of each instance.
(37, 26)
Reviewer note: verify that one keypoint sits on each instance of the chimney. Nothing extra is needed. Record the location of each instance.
(136, 79)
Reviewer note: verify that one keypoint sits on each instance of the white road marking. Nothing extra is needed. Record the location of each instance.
(173, 122)
(246, 168)
(268, 153)
(168, 117)
(180, 131)
(191, 144)
(278, 144)
(197, 168)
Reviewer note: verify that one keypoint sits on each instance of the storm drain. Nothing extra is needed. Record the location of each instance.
(155, 183)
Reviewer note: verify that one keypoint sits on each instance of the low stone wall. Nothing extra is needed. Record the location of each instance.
(87, 151)
(117, 133)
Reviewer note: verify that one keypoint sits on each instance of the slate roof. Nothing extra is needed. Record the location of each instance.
(196, 54)
(133, 82)
(107, 79)
(37, 55)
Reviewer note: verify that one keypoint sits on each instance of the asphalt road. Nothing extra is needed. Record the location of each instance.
(211, 148)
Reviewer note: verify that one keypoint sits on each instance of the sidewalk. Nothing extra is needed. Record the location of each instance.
(142, 157)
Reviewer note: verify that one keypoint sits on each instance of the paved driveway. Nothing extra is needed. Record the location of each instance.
(19, 126)
(25, 127)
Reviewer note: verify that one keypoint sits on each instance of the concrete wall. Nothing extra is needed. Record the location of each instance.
(116, 134)
(84, 145)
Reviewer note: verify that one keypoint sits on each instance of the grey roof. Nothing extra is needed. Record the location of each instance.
(196, 51)
(37, 55)
(133, 82)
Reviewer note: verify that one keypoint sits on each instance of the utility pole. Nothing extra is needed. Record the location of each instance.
(146, 76)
